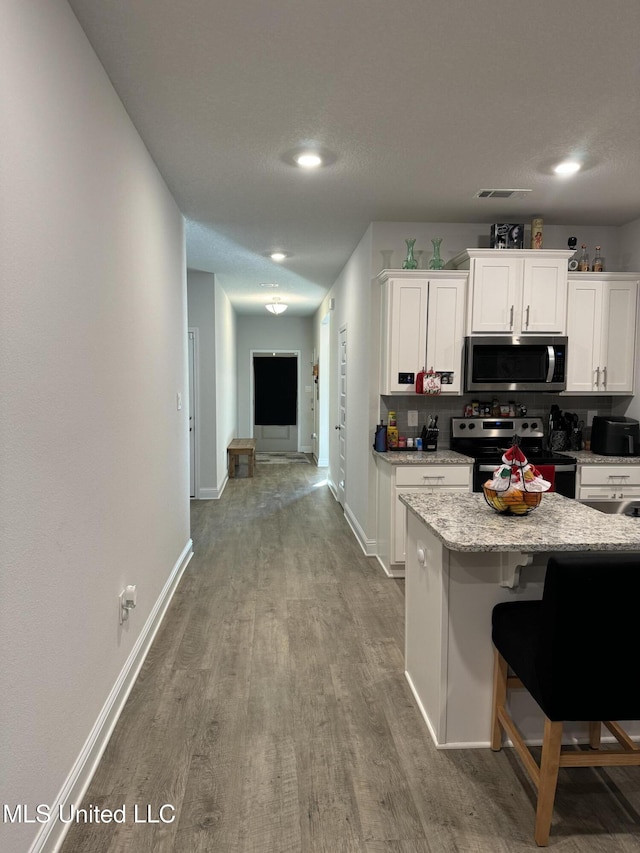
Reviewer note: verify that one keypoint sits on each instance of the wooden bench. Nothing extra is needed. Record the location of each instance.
(241, 447)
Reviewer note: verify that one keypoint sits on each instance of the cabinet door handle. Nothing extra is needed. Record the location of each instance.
(511, 318)
(604, 377)
(526, 323)
(597, 372)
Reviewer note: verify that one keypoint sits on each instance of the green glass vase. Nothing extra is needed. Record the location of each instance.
(436, 262)
(410, 262)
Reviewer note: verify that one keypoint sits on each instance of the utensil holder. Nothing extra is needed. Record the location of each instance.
(431, 442)
(558, 440)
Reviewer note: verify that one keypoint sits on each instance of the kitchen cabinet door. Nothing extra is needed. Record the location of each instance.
(601, 332)
(445, 329)
(495, 293)
(544, 296)
(618, 337)
(584, 333)
(404, 334)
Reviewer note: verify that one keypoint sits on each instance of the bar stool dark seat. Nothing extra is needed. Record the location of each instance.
(576, 652)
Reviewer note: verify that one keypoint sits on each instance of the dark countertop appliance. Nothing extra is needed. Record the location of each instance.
(486, 439)
(615, 436)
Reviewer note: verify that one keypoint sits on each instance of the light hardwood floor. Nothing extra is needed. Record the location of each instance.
(273, 712)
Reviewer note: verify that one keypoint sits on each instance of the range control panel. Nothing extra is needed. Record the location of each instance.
(502, 427)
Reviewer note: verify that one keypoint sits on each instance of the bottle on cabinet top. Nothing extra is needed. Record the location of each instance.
(597, 261)
(583, 260)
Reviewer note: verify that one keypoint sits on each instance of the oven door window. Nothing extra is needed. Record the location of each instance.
(509, 364)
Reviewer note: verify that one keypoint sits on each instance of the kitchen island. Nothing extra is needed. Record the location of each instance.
(462, 558)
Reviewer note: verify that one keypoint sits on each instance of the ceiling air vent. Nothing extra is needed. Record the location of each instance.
(501, 193)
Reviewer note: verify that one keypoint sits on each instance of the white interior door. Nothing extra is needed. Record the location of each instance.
(341, 426)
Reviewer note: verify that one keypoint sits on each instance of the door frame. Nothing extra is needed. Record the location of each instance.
(270, 351)
(341, 479)
(194, 406)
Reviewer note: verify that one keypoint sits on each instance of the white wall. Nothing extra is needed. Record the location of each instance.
(202, 316)
(226, 384)
(459, 236)
(94, 455)
(357, 308)
(211, 313)
(275, 333)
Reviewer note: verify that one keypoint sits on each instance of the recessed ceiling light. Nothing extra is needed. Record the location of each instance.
(309, 160)
(567, 167)
(269, 284)
(309, 156)
(278, 256)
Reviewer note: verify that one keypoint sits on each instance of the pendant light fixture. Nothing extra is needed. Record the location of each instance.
(275, 306)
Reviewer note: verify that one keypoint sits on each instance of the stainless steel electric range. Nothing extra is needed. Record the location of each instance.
(486, 439)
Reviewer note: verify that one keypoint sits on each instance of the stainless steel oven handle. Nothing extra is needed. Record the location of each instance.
(560, 468)
(552, 363)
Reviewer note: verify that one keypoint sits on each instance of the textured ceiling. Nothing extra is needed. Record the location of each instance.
(423, 103)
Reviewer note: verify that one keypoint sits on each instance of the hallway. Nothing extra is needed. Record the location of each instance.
(272, 711)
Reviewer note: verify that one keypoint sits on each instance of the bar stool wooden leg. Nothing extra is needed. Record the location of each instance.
(549, 766)
(499, 698)
(595, 731)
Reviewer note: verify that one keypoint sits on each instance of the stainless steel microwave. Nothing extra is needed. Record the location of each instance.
(515, 364)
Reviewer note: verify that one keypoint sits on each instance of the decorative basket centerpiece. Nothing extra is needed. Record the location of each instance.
(517, 486)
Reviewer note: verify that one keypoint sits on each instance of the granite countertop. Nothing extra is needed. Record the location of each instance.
(465, 522)
(422, 457)
(586, 457)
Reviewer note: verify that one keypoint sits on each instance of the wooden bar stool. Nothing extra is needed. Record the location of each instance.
(576, 652)
(241, 447)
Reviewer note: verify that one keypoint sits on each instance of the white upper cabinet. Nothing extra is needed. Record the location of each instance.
(422, 325)
(404, 333)
(602, 332)
(516, 291)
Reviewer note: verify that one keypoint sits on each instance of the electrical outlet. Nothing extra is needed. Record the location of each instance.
(412, 418)
(590, 415)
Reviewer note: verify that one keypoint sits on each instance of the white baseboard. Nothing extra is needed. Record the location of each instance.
(52, 834)
(395, 570)
(306, 448)
(322, 462)
(212, 494)
(367, 545)
(332, 487)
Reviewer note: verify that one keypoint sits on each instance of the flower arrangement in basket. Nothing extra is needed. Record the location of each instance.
(517, 486)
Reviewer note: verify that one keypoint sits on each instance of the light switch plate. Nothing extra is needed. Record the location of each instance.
(412, 418)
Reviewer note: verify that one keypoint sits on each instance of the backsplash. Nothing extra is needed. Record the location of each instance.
(447, 407)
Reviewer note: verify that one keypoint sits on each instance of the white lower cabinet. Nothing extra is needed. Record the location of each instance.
(394, 480)
(608, 482)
